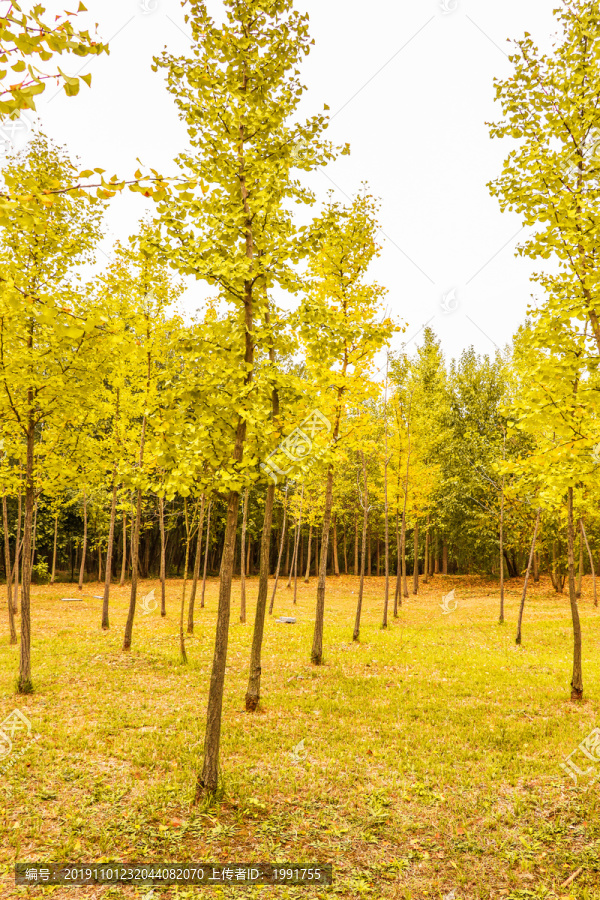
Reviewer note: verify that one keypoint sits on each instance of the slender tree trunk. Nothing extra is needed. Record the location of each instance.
(387, 520)
(206, 553)
(426, 562)
(135, 548)
(243, 561)
(54, 547)
(11, 612)
(184, 658)
(253, 691)
(356, 545)
(307, 576)
(416, 565)
(345, 553)
(280, 552)
(398, 594)
(84, 545)
(536, 567)
(197, 559)
(403, 552)
(577, 679)
(336, 565)
(124, 560)
(591, 558)
(317, 647)
(34, 533)
(356, 634)
(18, 547)
(529, 565)
(25, 685)
(444, 557)
(436, 566)
(163, 563)
(295, 563)
(369, 553)
(580, 573)
(109, 553)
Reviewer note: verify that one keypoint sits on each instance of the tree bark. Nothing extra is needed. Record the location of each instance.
(536, 567)
(124, 560)
(307, 576)
(84, 545)
(197, 559)
(591, 558)
(336, 564)
(529, 565)
(25, 685)
(163, 563)
(317, 647)
(54, 547)
(580, 573)
(18, 550)
(184, 658)
(295, 562)
(356, 634)
(243, 561)
(253, 691)
(11, 613)
(398, 592)
(501, 619)
(426, 562)
(577, 679)
(416, 565)
(444, 557)
(206, 553)
(280, 552)
(109, 553)
(356, 544)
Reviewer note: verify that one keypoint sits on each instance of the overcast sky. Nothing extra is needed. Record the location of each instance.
(410, 86)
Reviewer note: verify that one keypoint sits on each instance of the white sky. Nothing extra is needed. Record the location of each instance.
(410, 87)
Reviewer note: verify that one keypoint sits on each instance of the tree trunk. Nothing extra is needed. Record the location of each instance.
(444, 558)
(529, 565)
(280, 552)
(356, 634)
(206, 553)
(184, 658)
(387, 519)
(317, 647)
(295, 563)
(577, 679)
(124, 560)
(11, 613)
(109, 553)
(403, 552)
(25, 685)
(398, 593)
(436, 565)
(356, 545)
(84, 545)
(336, 565)
(416, 565)
(501, 620)
(536, 567)
(54, 547)
(253, 691)
(197, 559)
(34, 534)
(426, 562)
(243, 562)
(307, 576)
(369, 553)
(580, 573)
(345, 553)
(163, 563)
(591, 558)
(135, 547)
(17, 556)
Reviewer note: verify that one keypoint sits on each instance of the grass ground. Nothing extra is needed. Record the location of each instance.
(422, 761)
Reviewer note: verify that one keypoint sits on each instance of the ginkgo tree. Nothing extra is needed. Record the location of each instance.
(342, 327)
(50, 343)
